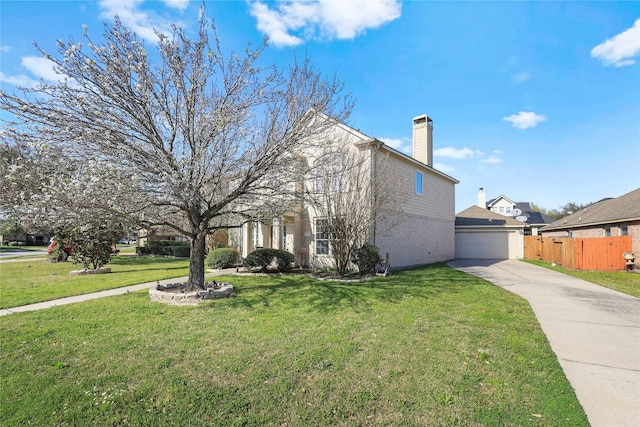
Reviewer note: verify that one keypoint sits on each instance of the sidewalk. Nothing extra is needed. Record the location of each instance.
(102, 294)
(594, 332)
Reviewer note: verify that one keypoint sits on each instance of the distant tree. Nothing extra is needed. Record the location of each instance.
(566, 209)
(11, 227)
(197, 142)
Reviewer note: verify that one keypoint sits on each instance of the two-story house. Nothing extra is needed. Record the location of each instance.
(423, 228)
(521, 211)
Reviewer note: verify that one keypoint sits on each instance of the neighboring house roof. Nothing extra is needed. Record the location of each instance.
(476, 216)
(497, 199)
(607, 211)
(533, 217)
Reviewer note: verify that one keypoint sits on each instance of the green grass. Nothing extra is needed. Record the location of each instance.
(429, 346)
(621, 281)
(28, 282)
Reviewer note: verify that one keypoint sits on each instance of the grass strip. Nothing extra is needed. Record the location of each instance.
(621, 281)
(28, 282)
(429, 346)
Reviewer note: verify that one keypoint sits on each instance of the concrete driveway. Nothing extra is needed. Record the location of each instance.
(594, 332)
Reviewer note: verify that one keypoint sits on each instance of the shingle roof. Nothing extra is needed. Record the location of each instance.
(607, 211)
(475, 215)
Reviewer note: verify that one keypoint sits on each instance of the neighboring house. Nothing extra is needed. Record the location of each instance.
(521, 211)
(159, 233)
(425, 234)
(609, 217)
(483, 234)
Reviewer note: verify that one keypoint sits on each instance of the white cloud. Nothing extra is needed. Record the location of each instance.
(5, 48)
(41, 67)
(135, 19)
(621, 49)
(492, 160)
(177, 4)
(457, 153)
(19, 80)
(402, 145)
(292, 22)
(443, 167)
(520, 77)
(525, 119)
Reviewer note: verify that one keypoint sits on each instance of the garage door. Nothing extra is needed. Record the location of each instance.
(483, 245)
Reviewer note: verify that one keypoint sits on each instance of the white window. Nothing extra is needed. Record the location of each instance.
(418, 183)
(607, 231)
(322, 236)
(508, 210)
(502, 209)
(254, 234)
(624, 229)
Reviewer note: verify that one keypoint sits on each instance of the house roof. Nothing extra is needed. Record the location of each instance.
(366, 139)
(476, 216)
(607, 211)
(493, 201)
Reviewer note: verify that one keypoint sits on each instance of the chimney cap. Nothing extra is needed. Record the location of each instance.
(421, 119)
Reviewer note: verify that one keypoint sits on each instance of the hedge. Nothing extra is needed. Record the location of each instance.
(263, 258)
(223, 258)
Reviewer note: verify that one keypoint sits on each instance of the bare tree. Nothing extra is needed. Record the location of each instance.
(197, 142)
(356, 194)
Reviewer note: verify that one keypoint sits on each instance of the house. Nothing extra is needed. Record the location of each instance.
(485, 234)
(424, 234)
(609, 217)
(521, 211)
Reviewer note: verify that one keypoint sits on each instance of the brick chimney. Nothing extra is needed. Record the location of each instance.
(423, 139)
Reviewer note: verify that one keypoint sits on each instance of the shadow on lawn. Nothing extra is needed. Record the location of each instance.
(144, 260)
(328, 295)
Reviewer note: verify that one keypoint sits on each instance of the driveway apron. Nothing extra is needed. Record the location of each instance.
(594, 332)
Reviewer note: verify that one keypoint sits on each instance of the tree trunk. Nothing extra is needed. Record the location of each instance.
(196, 260)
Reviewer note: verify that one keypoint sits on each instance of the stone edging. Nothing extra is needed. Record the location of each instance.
(103, 270)
(160, 294)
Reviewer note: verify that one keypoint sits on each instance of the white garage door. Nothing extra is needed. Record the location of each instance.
(483, 245)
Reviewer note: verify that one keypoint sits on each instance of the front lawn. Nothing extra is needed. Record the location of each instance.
(621, 281)
(27, 282)
(429, 346)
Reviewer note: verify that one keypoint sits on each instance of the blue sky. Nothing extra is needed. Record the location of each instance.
(538, 101)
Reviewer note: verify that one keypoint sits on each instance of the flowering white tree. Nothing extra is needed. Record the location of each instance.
(196, 142)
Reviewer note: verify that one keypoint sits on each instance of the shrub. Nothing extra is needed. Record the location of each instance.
(182, 251)
(263, 258)
(142, 250)
(366, 257)
(223, 258)
(165, 248)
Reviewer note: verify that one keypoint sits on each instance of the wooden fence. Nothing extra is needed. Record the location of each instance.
(594, 253)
